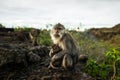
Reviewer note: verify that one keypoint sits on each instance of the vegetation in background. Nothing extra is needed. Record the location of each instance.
(104, 58)
(45, 38)
(108, 69)
(18, 28)
(110, 35)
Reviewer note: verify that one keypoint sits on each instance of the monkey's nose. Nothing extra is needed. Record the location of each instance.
(57, 31)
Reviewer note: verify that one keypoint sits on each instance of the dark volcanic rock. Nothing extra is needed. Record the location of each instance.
(32, 57)
(17, 61)
(6, 29)
(20, 63)
(10, 54)
(40, 50)
(17, 54)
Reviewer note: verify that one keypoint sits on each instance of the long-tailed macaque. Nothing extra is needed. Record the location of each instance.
(67, 56)
(34, 36)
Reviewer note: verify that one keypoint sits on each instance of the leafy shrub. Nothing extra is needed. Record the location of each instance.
(113, 58)
(98, 71)
(108, 69)
(45, 38)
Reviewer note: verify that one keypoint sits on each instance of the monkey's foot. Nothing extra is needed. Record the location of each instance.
(49, 67)
(55, 68)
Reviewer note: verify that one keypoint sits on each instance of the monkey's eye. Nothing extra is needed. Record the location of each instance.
(59, 28)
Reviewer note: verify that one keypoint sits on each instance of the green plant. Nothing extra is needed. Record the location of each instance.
(107, 68)
(113, 57)
(45, 38)
(19, 28)
(98, 71)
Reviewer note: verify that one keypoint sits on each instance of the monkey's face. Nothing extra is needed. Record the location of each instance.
(58, 31)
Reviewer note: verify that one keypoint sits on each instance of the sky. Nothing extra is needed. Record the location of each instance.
(72, 13)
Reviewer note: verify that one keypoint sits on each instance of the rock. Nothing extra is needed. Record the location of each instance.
(39, 71)
(46, 78)
(17, 54)
(8, 55)
(6, 30)
(32, 57)
(40, 50)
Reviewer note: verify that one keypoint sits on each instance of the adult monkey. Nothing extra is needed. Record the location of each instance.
(67, 56)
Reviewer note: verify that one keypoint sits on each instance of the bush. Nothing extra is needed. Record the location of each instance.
(108, 69)
(45, 38)
(98, 71)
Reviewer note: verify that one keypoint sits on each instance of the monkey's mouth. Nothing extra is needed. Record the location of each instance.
(57, 35)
